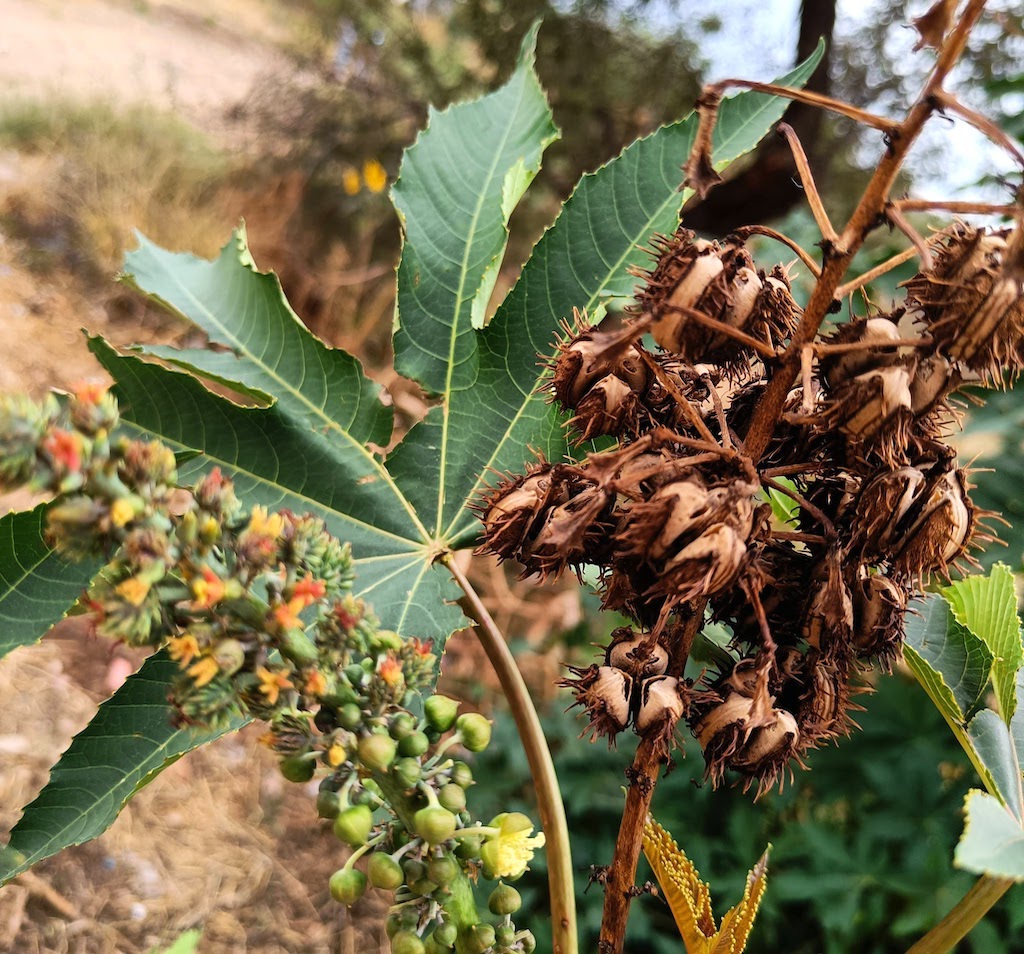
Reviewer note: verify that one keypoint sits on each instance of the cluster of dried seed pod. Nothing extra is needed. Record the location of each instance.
(678, 519)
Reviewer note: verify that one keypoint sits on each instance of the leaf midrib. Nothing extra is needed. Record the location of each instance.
(454, 332)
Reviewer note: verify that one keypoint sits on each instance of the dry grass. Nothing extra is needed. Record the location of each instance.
(107, 171)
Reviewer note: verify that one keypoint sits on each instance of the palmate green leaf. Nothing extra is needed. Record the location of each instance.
(583, 262)
(950, 662)
(993, 840)
(280, 463)
(987, 606)
(991, 740)
(128, 743)
(457, 187)
(273, 356)
(37, 587)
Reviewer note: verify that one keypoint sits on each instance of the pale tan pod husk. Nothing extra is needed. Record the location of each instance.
(884, 502)
(605, 693)
(877, 334)
(660, 707)
(879, 607)
(634, 652)
(941, 532)
(513, 509)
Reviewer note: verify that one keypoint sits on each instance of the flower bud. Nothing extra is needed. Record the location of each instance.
(384, 872)
(446, 934)
(452, 797)
(407, 772)
(434, 824)
(479, 938)
(440, 712)
(461, 774)
(377, 751)
(298, 768)
(529, 942)
(328, 804)
(444, 870)
(475, 731)
(414, 745)
(403, 724)
(407, 942)
(353, 825)
(504, 900)
(347, 885)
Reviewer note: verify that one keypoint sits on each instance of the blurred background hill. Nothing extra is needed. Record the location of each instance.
(181, 117)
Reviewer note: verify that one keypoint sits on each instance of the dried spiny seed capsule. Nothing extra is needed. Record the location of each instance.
(874, 407)
(721, 282)
(765, 755)
(708, 565)
(973, 298)
(511, 510)
(651, 528)
(875, 336)
(942, 530)
(605, 693)
(934, 378)
(607, 408)
(570, 533)
(589, 357)
(885, 501)
(822, 710)
(636, 654)
(879, 606)
(660, 708)
(829, 614)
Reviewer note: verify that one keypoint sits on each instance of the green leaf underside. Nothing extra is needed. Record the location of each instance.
(991, 740)
(280, 463)
(128, 742)
(987, 606)
(37, 587)
(951, 662)
(582, 261)
(993, 840)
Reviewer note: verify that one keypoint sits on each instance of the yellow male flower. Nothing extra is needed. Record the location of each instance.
(133, 590)
(204, 671)
(374, 175)
(121, 512)
(272, 681)
(509, 844)
(183, 649)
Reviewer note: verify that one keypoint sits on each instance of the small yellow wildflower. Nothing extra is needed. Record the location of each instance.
(374, 175)
(204, 671)
(183, 649)
(508, 850)
(133, 590)
(350, 181)
(121, 511)
(272, 682)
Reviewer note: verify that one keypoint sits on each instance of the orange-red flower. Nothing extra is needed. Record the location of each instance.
(64, 448)
(272, 681)
(208, 589)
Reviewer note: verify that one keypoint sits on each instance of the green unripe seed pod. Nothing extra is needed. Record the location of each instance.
(461, 775)
(430, 946)
(350, 716)
(403, 724)
(440, 712)
(444, 870)
(393, 925)
(354, 674)
(347, 885)
(377, 751)
(353, 825)
(434, 824)
(504, 935)
(529, 942)
(297, 768)
(424, 888)
(328, 804)
(407, 771)
(384, 872)
(475, 730)
(504, 899)
(446, 934)
(479, 938)
(453, 798)
(413, 745)
(414, 870)
(407, 942)
(468, 849)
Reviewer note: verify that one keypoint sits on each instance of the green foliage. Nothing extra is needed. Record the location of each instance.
(849, 872)
(965, 640)
(37, 587)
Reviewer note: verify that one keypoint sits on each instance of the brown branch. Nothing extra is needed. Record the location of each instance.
(865, 218)
(872, 273)
(957, 208)
(742, 234)
(803, 168)
(893, 214)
